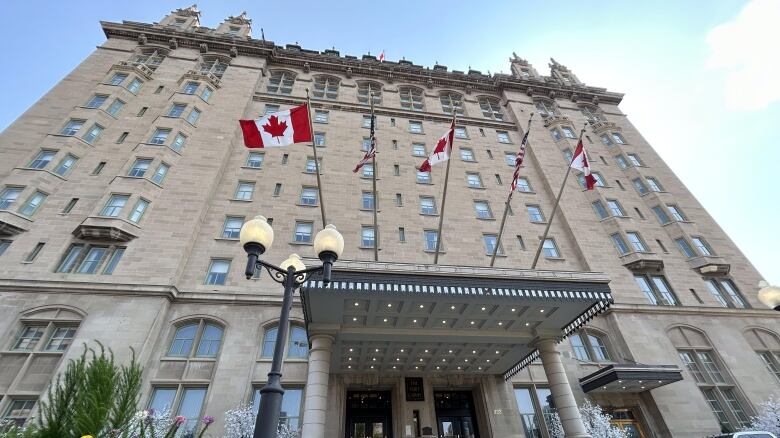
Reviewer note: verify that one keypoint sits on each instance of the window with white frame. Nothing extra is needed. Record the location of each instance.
(292, 406)
(615, 208)
(467, 154)
(72, 127)
(367, 200)
(96, 101)
(303, 232)
(431, 237)
(326, 87)
(677, 213)
(368, 170)
(176, 110)
(204, 334)
(178, 142)
(550, 249)
(639, 186)
(618, 138)
(308, 196)
(312, 165)
(482, 209)
(503, 137)
(232, 227)
(114, 205)
(523, 185)
(193, 116)
(621, 161)
(134, 86)
(656, 290)
(217, 272)
(620, 244)
(42, 160)
(427, 205)
(369, 88)
(592, 114)
(213, 65)
(415, 127)
(117, 78)
(474, 180)
(65, 165)
(460, 132)
(367, 237)
(546, 108)
(767, 345)
(8, 197)
(510, 159)
(418, 150)
(281, 82)
(115, 107)
(661, 214)
(685, 248)
(601, 212)
(140, 167)
(568, 132)
(160, 136)
(451, 103)
(725, 291)
(491, 108)
(138, 210)
(535, 213)
(88, 259)
(33, 203)
(654, 184)
(589, 346)
(423, 177)
(636, 241)
(490, 241)
(411, 98)
(701, 245)
(191, 87)
(320, 116)
(634, 158)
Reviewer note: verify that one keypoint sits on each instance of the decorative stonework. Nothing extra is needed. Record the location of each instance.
(142, 39)
(241, 20)
(191, 11)
(173, 44)
(203, 47)
(556, 120)
(139, 69)
(602, 126)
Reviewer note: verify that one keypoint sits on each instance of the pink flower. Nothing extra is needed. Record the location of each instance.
(208, 419)
(180, 419)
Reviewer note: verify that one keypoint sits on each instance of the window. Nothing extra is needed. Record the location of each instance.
(29, 337)
(399, 200)
(556, 134)
(498, 179)
(636, 241)
(634, 158)
(451, 103)
(423, 177)
(298, 346)
(366, 89)
(491, 109)
(427, 205)
(368, 170)
(244, 191)
(367, 237)
(710, 375)
(178, 142)
(474, 180)
(366, 145)
(142, 111)
(42, 160)
(415, 127)
(160, 136)
(411, 98)
(159, 89)
(490, 244)
(503, 137)
(535, 213)
(213, 66)
(510, 159)
(620, 244)
(592, 114)
(191, 87)
(589, 347)
(99, 168)
(96, 101)
(615, 208)
(4, 244)
(311, 165)
(601, 212)
(618, 138)
(546, 108)
(134, 86)
(159, 174)
(208, 336)
(34, 253)
(431, 237)
(190, 404)
(466, 154)
(677, 214)
(281, 82)
(309, 196)
(72, 127)
(702, 246)
(19, 411)
(367, 201)
(567, 154)
(489, 152)
(177, 110)
(140, 167)
(483, 210)
(418, 150)
(326, 87)
(568, 132)
(401, 234)
(33, 203)
(550, 249)
(639, 186)
(233, 30)
(660, 213)
(460, 132)
(269, 342)
(606, 140)
(726, 293)
(118, 78)
(661, 245)
(232, 227)
(320, 116)
(654, 184)
(767, 346)
(303, 231)
(138, 211)
(656, 289)
(621, 161)
(193, 117)
(270, 109)
(65, 165)
(90, 263)
(520, 242)
(277, 189)
(319, 138)
(396, 170)
(114, 205)
(122, 137)
(8, 197)
(685, 247)
(290, 413)
(218, 271)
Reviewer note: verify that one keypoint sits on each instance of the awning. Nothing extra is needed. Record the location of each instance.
(392, 318)
(630, 378)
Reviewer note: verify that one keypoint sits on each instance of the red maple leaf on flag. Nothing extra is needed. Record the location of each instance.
(440, 146)
(275, 128)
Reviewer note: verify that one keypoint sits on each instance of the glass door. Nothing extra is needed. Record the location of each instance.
(368, 428)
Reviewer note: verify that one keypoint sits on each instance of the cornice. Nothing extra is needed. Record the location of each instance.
(693, 310)
(368, 67)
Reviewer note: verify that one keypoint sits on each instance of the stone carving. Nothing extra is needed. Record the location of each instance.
(306, 67)
(349, 72)
(574, 97)
(203, 47)
(142, 39)
(173, 44)
(192, 11)
(595, 100)
(233, 52)
(551, 94)
(240, 20)
(429, 83)
(469, 88)
(529, 91)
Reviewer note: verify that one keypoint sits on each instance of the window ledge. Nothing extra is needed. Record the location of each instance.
(47, 171)
(365, 247)
(539, 222)
(555, 259)
(302, 243)
(486, 218)
(76, 137)
(253, 168)
(477, 188)
(433, 251)
(227, 239)
(497, 255)
(430, 214)
(239, 200)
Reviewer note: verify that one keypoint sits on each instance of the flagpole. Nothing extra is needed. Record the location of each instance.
(444, 197)
(555, 208)
(506, 208)
(316, 160)
(372, 141)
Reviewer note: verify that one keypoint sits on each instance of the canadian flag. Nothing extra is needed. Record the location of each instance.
(441, 152)
(382, 56)
(278, 129)
(579, 161)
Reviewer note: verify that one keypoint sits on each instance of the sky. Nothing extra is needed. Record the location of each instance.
(699, 77)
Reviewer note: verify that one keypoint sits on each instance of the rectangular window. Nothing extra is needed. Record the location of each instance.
(61, 339)
(423, 177)
(303, 231)
(122, 137)
(601, 212)
(418, 150)
(255, 160)
(366, 144)
(620, 244)
(29, 337)
(606, 140)
(618, 138)
(621, 161)
(69, 261)
(535, 213)
(474, 180)
(320, 116)
(140, 167)
(367, 201)
(8, 197)
(401, 234)
(319, 139)
(96, 101)
(431, 236)
(34, 253)
(142, 111)
(466, 154)
(396, 170)
(191, 88)
(113, 261)
(19, 411)
(615, 207)
(232, 227)
(482, 209)
(460, 132)
(654, 184)
(65, 165)
(520, 242)
(99, 168)
(399, 200)
(291, 407)
(503, 137)
(4, 244)
(138, 211)
(634, 158)
(309, 196)
(159, 89)
(206, 94)
(42, 160)
(639, 186)
(193, 117)
(72, 127)
(702, 246)
(677, 214)
(114, 205)
(218, 271)
(498, 180)
(415, 127)
(159, 174)
(118, 78)
(277, 189)
(270, 109)
(523, 185)
(509, 159)
(244, 190)
(685, 247)
(366, 121)
(661, 245)
(550, 249)
(599, 179)
(69, 206)
(160, 136)
(92, 260)
(134, 86)
(656, 289)
(490, 244)
(427, 205)
(568, 132)
(367, 237)
(660, 213)
(33, 203)
(636, 241)
(178, 142)
(177, 110)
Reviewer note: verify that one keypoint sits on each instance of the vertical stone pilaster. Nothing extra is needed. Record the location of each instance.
(315, 404)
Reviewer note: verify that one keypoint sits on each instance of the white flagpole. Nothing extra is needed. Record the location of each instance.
(555, 208)
(316, 161)
(444, 195)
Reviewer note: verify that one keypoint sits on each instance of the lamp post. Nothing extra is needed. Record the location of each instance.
(769, 295)
(256, 237)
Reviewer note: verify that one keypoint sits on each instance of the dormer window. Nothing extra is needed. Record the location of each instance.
(179, 22)
(373, 89)
(491, 109)
(411, 98)
(234, 30)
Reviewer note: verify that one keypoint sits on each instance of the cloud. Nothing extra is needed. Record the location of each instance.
(746, 48)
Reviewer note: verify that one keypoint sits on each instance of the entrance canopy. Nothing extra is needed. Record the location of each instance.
(404, 318)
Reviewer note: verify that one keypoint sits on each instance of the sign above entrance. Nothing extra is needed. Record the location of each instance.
(414, 389)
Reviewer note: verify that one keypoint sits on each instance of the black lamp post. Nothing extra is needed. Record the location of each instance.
(256, 237)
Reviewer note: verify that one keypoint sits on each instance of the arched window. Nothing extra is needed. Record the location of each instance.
(592, 114)
(451, 102)
(767, 345)
(281, 82)
(297, 343)
(369, 88)
(215, 65)
(326, 87)
(491, 108)
(546, 108)
(589, 346)
(207, 335)
(711, 376)
(411, 98)
(150, 57)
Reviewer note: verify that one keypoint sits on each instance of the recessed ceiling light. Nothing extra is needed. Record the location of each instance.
(374, 359)
(414, 321)
(389, 305)
(473, 351)
(624, 387)
(452, 307)
(372, 367)
(354, 318)
(426, 350)
(605, 387)
(483, 308)
(450, 351)
(376, 350)
(356, 303)
(643, 387)
(640, 381)
(480, 367)
(350, 350)
(349, 358)
(444, 360)
(513, 309)
(488, 360)
(393, 366)
(416, 367)
(500, 323)
(385, 320)
(397, 359)
(498, 352)
(660, 381)
(527, 324)
(472, 322)
(465, 360)
(421, 306)
(458, 367)
(349, 366)
(443, 321)
(402, 350)
(420, 360)
(438, 367)
(541, 310)
(620, 381)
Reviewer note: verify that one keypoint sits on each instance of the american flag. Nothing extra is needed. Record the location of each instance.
(371, 153)
(518, 162)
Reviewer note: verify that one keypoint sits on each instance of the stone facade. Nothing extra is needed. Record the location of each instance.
(160, 280)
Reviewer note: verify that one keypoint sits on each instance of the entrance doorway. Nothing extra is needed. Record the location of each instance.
(455, 414)
(369, 414)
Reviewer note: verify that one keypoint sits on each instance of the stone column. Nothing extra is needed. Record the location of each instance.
(560, 389)
(315, 404)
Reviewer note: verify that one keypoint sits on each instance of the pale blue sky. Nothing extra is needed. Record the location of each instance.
(696, 74)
